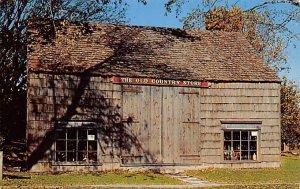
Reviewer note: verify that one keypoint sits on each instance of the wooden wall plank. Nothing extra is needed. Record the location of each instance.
(246, 85)
(168, 109)
(270, 129)
(177, 125)
(155, 143)
(270, 144)
(211, 151)
(240, 92)
(249, 107)
(237, 100)
(270, 136)
(240, 114)
(270, 158)
(270, 150)
(145, 124)
(211, 159)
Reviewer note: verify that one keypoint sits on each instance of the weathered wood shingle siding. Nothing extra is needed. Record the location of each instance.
(142, 125)
(53, 98)
(240, 102)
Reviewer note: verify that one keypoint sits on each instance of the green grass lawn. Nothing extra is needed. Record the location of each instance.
(73, 179)
(284, 177)
(259, 186)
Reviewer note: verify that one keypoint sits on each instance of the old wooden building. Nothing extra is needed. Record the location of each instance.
(106, 97)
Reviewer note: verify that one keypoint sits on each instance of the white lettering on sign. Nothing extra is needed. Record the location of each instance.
(126, 79)
(164, 82)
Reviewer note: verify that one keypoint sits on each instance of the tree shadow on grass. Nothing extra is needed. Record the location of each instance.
(19, 177)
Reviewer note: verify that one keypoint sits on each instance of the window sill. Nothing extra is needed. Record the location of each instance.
(76, 164)
(157, 164)
(240, 161)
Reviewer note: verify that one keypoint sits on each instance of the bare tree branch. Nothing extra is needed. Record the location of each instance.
(273, 2)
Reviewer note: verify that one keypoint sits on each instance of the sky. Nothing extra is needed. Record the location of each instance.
(153, 14)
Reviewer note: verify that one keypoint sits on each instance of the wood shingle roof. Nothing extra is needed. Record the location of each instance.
(144, 52)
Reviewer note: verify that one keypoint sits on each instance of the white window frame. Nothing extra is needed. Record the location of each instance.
(243, 143)
(88, 127)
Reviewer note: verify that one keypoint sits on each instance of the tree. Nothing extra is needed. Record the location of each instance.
(268, 37)
(290, 113)
(14, 16)
(272, 50)
(266, 24)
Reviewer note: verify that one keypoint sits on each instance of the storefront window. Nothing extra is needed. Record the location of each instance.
(240, 145)
(76, 144)
(241, 140)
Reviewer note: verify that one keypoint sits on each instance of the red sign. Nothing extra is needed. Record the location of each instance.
(162, 82)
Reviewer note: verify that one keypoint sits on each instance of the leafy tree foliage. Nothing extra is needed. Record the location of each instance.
(267, 30)
(290, 113)
(263, 39)
(267, 24)
(272, 49)
(14, 16)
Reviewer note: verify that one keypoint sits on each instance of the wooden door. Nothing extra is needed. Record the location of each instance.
(161, 125)
(141, 119)
(172, 115)
(190, 126)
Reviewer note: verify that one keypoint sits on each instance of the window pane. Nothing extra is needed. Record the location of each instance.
(244, 155)
(236, 145)
(253, 155)
(227, 155)
(244, 145)
(236, 135)
(71, 145)
(253, 135)
(244, 135)
(239, 155)
(60, 145)
(60, 134)
(71, 156)
(227, 135)
(82, 145)
(82, 134)
(236, 155)
(227, 145)
(60, 156)
(71, 134)
(253, 145)
(92, 145)
(92, 156)
(82, 156)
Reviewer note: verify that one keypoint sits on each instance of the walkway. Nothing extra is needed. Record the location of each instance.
(191, 182)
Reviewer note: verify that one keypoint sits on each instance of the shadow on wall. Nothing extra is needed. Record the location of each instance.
(98, 108)
(86, 105)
